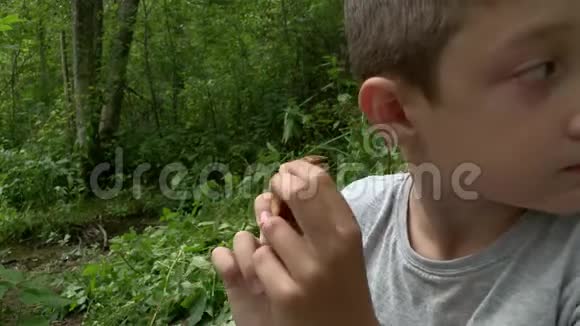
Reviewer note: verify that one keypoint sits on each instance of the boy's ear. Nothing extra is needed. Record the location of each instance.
(380, 101)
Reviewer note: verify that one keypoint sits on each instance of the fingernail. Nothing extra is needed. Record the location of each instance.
(264, 217)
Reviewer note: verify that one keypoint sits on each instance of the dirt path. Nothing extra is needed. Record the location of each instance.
(71, 253)
(62, 254)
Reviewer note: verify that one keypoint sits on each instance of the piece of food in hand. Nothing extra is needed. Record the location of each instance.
(280, 208)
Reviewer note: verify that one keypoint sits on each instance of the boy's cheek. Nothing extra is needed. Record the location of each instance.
(500, 149)
(529, 186)
(494, 171)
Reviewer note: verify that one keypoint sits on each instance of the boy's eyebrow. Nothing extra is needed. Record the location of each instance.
(539, 32)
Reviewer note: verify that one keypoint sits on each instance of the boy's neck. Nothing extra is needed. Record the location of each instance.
(450, 228)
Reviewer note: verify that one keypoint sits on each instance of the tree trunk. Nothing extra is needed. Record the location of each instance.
(148, 72)
(120, 49)
(44, 74)
(99, 8)
(87, 24)
(67, 89)
(98, 46)
(14, 92)
(176, 79)
(65, 69)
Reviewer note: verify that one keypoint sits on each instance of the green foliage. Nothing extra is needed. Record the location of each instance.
(58, 221)
(18, 293)
(7, 22)
(207, 82)
(244, 84)
(162, 276)
(29, 180)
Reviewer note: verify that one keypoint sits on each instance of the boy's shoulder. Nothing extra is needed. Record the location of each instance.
(372, 188)
(376, 197)
(375, 189)
(379, 202)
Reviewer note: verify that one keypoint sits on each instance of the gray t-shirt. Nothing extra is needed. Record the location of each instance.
(530, 276)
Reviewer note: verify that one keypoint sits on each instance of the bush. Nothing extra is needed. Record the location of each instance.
(28, 179)
(163, 275)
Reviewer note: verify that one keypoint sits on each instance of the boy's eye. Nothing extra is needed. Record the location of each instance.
(538, 72)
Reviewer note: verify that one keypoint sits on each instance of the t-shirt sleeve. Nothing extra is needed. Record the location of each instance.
(571, 292)
(368, 196)
(571, 304)
(576, 309)
(354, 194)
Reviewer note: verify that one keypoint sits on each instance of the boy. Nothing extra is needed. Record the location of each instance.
(483, 89)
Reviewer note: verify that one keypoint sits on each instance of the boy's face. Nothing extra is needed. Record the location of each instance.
(510, 103)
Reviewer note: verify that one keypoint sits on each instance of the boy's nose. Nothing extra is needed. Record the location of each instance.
(574, 127)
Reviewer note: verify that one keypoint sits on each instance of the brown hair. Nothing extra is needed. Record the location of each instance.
(400, 38)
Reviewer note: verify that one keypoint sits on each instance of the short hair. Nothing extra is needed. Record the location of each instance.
(400, 38)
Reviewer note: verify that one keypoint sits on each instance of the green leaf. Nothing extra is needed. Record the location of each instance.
(186, 285)
(206, 223)
(288, 129)
(43, 297)
(10, 19)
(197, 263)
(11, 276)
(271, 147)
(91, 270)
(4, 28)
(344, 98)
(197, 309)
(4, 287)
(34, 321)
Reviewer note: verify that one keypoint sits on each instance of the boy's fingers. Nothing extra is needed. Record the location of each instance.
(303, 169)
(337, 213)
(240, 299)
(262, 203)
(308, 214)
(227, 268)
(245, 244)
(277, 282)
(290, 247)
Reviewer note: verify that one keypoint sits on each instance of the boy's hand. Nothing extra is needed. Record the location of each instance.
(317, 278)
